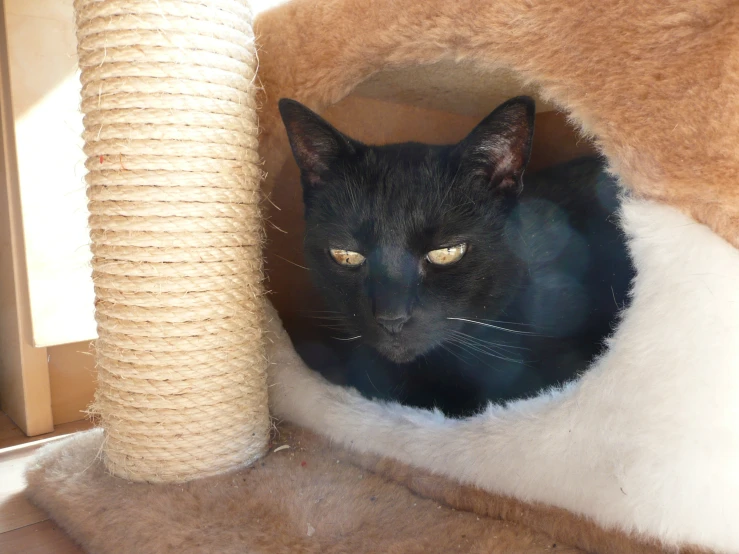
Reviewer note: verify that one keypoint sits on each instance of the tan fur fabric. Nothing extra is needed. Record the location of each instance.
(656, 82)
(308, 498)
(304, 499)
(560, 524)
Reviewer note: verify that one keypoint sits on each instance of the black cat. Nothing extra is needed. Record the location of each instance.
(449, 283)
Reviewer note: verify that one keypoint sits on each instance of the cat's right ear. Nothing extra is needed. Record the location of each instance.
(499, 148)
(315, 143)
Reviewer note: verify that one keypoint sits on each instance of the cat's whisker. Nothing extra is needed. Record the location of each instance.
(464, 375)
(371, 383)
(350, 338)
(489, 351)
(336, 327)
(471, 348)
(502, 322)
(482, 350)
(453, 354)
(398, 389)
(514, 331)
(291, 262)
(489, 342)
(464, 348)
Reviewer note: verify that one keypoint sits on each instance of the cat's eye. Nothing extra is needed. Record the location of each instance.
(346, 257)
(447, 256)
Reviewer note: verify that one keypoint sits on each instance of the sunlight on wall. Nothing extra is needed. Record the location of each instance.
(44, 89)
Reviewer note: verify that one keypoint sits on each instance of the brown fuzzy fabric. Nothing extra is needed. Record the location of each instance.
(559, 524)
(656, 82)
(304, 499)
(310, 497)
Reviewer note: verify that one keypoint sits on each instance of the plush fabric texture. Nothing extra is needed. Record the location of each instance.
(656, 82)
(309, 498)
(303, 499)
(646, 442)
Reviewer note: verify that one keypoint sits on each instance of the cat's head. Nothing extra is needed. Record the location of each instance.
(405, 240)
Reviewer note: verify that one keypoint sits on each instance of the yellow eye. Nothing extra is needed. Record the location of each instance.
(347, 257)
(447, 256)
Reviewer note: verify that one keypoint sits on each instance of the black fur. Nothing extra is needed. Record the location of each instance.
(544, 276)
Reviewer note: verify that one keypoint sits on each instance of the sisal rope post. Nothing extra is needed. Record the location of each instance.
(168, 97)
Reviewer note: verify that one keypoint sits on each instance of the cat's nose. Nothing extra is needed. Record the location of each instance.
(392, 324)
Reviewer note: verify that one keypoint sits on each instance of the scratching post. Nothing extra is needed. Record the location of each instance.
(168, 92)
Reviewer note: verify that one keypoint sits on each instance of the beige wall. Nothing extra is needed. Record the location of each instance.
(46, 293)
(44, 94)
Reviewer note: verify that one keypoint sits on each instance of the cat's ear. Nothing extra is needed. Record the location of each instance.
(315, 143)
(499, 148)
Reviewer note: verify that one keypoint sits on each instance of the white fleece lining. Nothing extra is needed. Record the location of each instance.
(647, 440)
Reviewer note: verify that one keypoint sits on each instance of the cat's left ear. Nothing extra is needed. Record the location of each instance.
(317, 146)
(499, 148)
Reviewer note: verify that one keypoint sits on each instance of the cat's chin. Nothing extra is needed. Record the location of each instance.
(398, 353)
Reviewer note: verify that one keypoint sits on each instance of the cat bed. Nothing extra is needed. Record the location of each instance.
(640, 454)
(306, 495)
(647, 441)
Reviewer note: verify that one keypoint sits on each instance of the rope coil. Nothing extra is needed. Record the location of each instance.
(168, 98)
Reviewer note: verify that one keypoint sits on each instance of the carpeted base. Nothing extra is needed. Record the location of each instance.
(310, 497)
(301, 499)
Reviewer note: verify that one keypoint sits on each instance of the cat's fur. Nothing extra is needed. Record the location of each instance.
(542, 281)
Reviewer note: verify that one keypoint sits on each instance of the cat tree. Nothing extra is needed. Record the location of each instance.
(640, 453)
